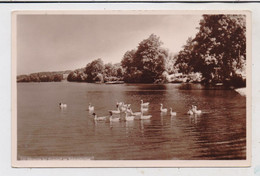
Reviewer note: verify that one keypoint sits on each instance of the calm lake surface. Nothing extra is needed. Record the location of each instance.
(46, 132)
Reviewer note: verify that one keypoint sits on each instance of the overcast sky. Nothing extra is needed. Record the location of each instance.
(68, 42)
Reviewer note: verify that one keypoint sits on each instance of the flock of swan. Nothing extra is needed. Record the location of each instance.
(194, 110)
(129, 114)
(123, 108)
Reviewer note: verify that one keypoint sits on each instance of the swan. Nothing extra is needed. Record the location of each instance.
(119, 103)
(145, 117)
(172, 113)
(114, 119)
(115, 111)
(128, 118)
(193, 108)
(144, 104)
(190, 112)
(62, 105)
(90, 108)
(163, 109)
(128, 110)
(135, 113)
(125, 107)
(197, 111)
(98, 118)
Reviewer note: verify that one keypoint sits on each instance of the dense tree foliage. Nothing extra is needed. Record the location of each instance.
(147, 63)
(113, 72)
(41, 77)
(218, 50)
(93, 69)
(97, 71)
(77, 76)
(110, 70)
(131, 72)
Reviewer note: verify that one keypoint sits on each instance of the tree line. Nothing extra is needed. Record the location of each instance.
(217, 54)
(42, 77)
(97, 71)
(144, 65)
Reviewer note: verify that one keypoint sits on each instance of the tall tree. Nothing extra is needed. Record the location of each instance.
(218, 50)
(93, 69)
(128, 66)
(147, 63)
(185, 57)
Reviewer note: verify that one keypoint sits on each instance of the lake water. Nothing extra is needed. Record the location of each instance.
(45, 131)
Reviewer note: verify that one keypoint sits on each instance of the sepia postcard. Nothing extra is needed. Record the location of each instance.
(131, 88)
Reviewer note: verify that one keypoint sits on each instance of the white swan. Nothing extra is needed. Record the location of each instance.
(62, 105)
(163, 109)
(145, 117)
(193, 108)
(114, 119)
(172, 113)
(90, 108)
(124, 107)
(129, 110)
(144, 104)
(135, 113)
(98, 118)
(119, 103)
(129, 118)
(115, 111)
(196, 111)
(190, 112)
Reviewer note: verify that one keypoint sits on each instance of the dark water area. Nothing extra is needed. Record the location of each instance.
(45, 131)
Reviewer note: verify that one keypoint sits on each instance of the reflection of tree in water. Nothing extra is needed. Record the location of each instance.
(148, 87)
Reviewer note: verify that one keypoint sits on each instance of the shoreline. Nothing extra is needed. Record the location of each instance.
(241, 91)
(183, 86)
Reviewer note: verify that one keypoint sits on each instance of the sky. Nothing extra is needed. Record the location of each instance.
(68, 42)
